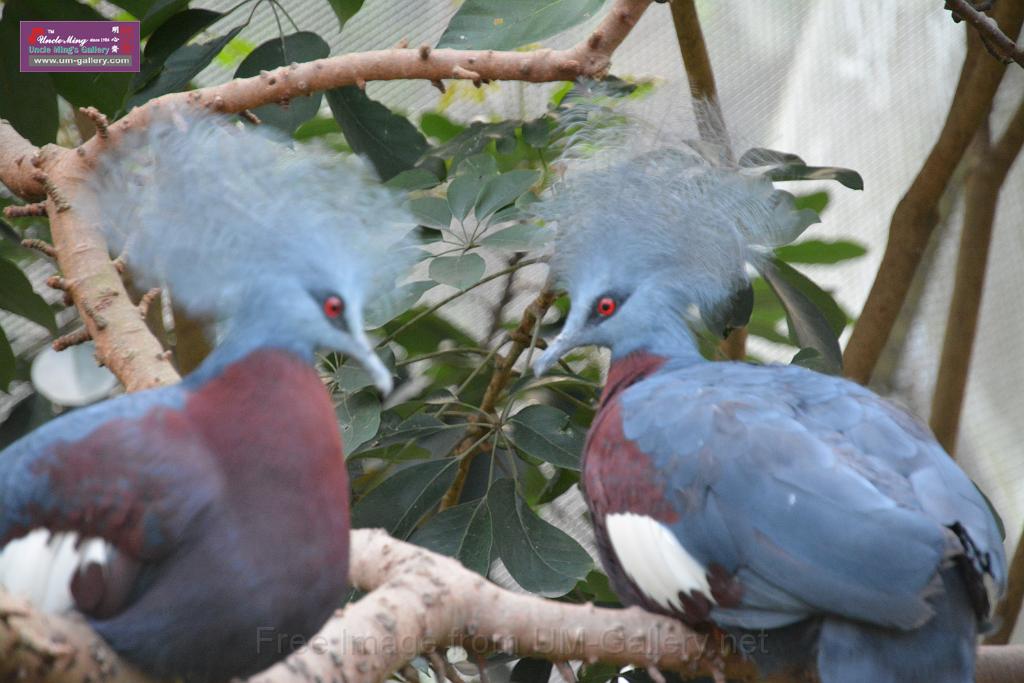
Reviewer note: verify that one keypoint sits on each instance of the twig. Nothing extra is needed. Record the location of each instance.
(916, 214)
(147, 300)
(503, 301)
(250, 117)
(981, 198)
(448, 299)
(25, 210)
(71, 339)
(43, 247)
(499, 379)
(99, 119)
(999, 44)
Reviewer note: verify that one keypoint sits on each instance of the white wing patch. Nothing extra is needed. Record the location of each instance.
(655, 561)
(39, 567)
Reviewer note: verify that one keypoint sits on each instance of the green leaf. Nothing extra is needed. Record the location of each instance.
(181, 67)
(816, 201)
(433, 212)
(597, 585)
(18, 297)
(428, 332)
(519, 237)
(8, 363)
(812, 359)
(462, 532)
(845, 176)
(462, 194)
(504, 189)
(394, 303)
(388, 140)
(540, 557)
(414, 179)
(458, 271)
(548, 434)
(159, 12)
(418, 426)
(296, 47)
(359, 417)
(27, 101)
(474, 140)
(171, 35)
(784, 166)
(820, 251)
(504, 25)
(814, 318)
(587, 89)
(345, 10)
(316, 127)
(439, 126)
(537, 133)
(137, 8)
(761, 156)
(482, 166)
(351, 376)
(401, 501)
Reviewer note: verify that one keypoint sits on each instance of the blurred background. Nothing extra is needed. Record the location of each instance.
(865, 85)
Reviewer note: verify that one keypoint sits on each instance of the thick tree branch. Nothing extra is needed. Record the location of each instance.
(16, 168)
(1008, 611)
(697, 62)
(1002, 46)
(981, 199)
(916, 214)
(418, 601)
(708, 110)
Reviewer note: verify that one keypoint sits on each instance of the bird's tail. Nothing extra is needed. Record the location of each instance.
(941, 651)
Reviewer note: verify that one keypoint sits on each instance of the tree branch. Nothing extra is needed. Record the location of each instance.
(1008, 610)
(16, 168)
(916, 214)
(981, 199)
(419, 601)
(708, 111)
(1000, 45)
(697, 62)
(468, 447)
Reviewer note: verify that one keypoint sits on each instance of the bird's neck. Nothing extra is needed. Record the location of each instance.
(238, 344)
(669, 338)
(628, 370)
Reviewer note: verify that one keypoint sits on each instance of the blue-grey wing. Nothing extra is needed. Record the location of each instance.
(128, 470)
(814, 493)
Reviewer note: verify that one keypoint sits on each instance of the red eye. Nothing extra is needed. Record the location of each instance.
(333, 306)
(606, 306)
